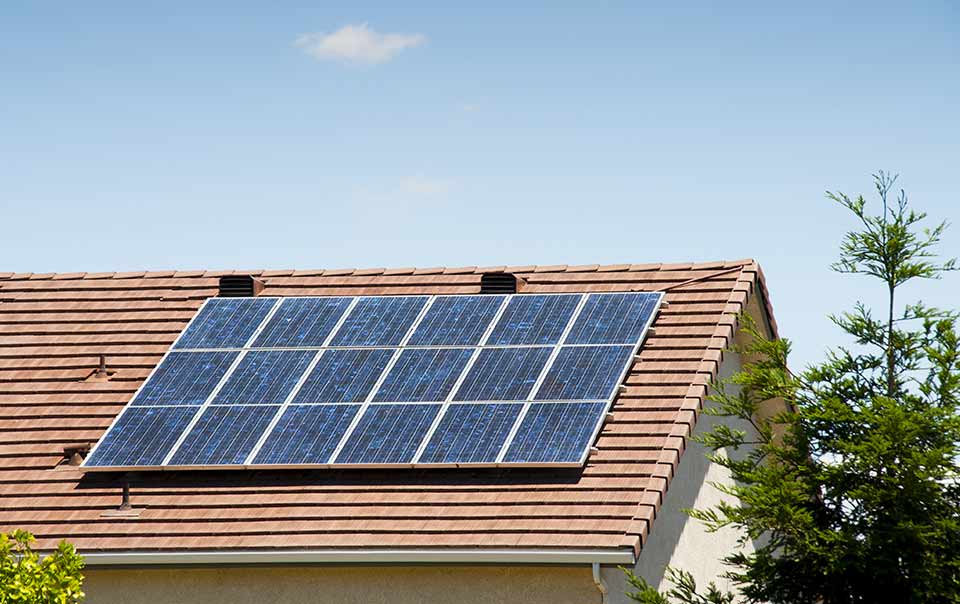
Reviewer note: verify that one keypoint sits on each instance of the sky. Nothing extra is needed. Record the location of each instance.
(158, 135)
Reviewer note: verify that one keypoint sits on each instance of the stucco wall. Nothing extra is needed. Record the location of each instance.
(677, 540)
(346, 585)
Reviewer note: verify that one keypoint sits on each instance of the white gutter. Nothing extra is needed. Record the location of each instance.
(368, 556)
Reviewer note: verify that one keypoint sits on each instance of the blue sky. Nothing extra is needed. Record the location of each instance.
(242, 135)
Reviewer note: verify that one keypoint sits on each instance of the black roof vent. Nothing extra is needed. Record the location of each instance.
(239, 286)
(499, 283)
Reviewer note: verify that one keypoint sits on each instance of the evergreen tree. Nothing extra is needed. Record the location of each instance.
(852, 493)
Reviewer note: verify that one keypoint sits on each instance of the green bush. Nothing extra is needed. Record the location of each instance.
(26, 578)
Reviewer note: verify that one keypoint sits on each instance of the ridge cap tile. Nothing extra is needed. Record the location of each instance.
(407, 270)
(187, 274)
(491, 269)
(460, 270)
(550, 268)
(277, 273)
(437, 270)
(583, 268)
(529, 268)
(67, 276)
(367, 272)
(653, 266)
(100, 275)
(613, 268)
(129, 275)
(42, 276)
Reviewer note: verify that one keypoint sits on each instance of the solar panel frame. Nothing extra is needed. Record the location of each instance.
(584, 297)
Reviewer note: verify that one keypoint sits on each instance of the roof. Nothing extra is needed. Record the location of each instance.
(53, 327)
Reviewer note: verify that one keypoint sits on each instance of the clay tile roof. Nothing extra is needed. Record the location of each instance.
(54, 327)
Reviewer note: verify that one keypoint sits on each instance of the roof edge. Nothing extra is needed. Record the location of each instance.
(362, 556)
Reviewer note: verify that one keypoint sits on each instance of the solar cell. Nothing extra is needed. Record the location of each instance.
(534, 319)
(141, 436)
(302, 322)
(379, 321)
(503, 374)
(185, 378)
(613, 318)
(423, 374)
(306, 434)
(555, 432)
(344, 376)
(264, 377)
(456, 321)
(224, 435)
(225, 323)
(584, 373)
(388, 434)
(471, 433)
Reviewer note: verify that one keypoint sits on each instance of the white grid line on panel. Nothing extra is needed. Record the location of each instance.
(383, 376)
(414, 347)
(216, 390)
(463, 375)
(146, 381)
(543, 375)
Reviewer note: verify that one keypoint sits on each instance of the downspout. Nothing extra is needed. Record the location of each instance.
(598, 581)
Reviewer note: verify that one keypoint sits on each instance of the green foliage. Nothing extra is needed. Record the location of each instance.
(850, 494)
(684, 590)
(25, 578)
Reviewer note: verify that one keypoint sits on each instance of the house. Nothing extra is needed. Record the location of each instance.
(74, 348)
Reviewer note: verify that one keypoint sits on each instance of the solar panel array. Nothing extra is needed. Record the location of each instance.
(382, 380)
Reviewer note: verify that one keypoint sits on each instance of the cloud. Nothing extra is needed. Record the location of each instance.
(357, 44)
(419, 185)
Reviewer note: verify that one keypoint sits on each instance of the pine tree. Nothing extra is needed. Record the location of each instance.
(852, 493)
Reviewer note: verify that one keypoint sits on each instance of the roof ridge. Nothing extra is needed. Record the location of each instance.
(532, 268)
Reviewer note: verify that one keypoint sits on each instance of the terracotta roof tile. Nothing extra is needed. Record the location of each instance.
(54, 327)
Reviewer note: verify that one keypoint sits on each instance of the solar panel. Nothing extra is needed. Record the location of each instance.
(306, 434)
(521, 379)
(224, 435)
(302, 322)
(471, 433)
(555, 432)
(388, 434)
(225, 323)
(503, 374)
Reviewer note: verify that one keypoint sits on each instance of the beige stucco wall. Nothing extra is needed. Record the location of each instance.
(342, 584)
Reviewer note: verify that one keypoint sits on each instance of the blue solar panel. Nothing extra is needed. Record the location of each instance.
(456, 321)
(350, 342)
(226, 323)
(423, 374)
(555, 432)
(388, 434)
(503, 374)
(471, 433)
(264, 377)
(613, 318)
(585, 372)
(344, 376)
(302, 322)
(534, 319)
(381, 321)
(185, 378)
(142, 436)
(306, 434)
(224, 435)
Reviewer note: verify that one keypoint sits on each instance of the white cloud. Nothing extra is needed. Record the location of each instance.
(419, 185)
(357, 44)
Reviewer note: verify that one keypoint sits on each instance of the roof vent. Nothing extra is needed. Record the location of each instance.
(239, 286)
(499, 283)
